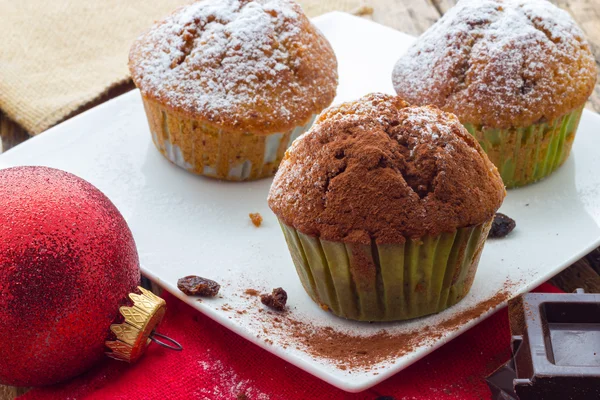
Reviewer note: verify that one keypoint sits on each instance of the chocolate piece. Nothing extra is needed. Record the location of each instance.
(276, 300)
(556, 345)
(197, 286)
(502, 226)
(501, 382)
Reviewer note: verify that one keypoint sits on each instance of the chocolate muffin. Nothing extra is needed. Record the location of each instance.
(227, 85)
(517, 73)
(386, 208)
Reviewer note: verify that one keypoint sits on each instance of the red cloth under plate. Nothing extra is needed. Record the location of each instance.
(218, 364)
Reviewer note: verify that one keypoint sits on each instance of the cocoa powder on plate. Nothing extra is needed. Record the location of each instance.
(348, 351)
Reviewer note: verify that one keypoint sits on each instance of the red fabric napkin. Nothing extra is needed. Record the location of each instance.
(218, 364)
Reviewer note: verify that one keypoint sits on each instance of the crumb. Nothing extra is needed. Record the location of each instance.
(502, 226)
(256, 219)
(197, 286)
(226, 307)
(276, 300)
(252, 292)
(199, 300)
(324, 307)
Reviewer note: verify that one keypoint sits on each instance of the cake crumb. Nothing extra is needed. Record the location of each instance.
(276, 300)
(256, 219)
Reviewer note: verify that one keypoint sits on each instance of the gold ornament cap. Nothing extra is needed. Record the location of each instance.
(135, 332)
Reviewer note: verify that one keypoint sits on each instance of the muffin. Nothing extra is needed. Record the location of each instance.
(385, 208)
(517, 73)
(227, 85)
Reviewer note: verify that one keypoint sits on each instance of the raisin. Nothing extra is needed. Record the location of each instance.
(501, 226)
(196, 286)
(276, 300)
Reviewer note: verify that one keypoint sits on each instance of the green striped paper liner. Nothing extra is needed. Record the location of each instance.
(526, 155)
(388, 282)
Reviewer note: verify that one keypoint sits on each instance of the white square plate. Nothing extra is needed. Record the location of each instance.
(186, 225)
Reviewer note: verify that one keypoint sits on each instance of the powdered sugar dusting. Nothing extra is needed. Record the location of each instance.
(228, 385)
(227, 59)
(429, 123)
(499, 63)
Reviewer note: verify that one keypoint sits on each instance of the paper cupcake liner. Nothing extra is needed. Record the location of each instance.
(202, 149)
(391, 281)
(526, 155)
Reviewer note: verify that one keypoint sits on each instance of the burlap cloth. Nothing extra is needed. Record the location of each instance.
(58, 56)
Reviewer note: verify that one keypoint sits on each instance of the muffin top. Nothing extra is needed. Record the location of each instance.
(378, 169)
(250, 66)
(499, 64)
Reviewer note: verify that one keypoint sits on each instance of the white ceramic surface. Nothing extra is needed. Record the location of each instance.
(184, 224)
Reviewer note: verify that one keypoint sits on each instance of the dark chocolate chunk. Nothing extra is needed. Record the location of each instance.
(502, 226)
(276, 300)
(556, 345)
(501, 382)
(197, 286)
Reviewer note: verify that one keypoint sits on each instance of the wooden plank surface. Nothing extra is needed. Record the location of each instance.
(414, 17)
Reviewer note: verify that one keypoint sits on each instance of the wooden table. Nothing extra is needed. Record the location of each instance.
(414, 17)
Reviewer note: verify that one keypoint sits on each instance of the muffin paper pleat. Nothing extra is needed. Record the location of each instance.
(526, 155)
(386, 282)
(202, 149)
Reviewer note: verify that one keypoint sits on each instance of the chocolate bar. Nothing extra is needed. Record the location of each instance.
(556, 346)
(501, 382)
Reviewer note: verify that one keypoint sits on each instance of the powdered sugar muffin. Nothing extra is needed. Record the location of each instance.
(386, 208)
(517, 73)
(227, 85)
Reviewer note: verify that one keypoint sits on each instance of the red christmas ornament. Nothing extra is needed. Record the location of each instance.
(67, 263)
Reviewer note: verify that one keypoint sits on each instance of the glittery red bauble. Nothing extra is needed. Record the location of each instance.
(67, 261)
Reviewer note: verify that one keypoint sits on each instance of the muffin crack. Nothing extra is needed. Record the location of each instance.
(188, 37)
(328, 179)
(465, 66)
(540, 28)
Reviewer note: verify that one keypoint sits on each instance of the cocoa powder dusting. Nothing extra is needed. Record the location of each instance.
(349, 351)
(378, 169)
(251, 292)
